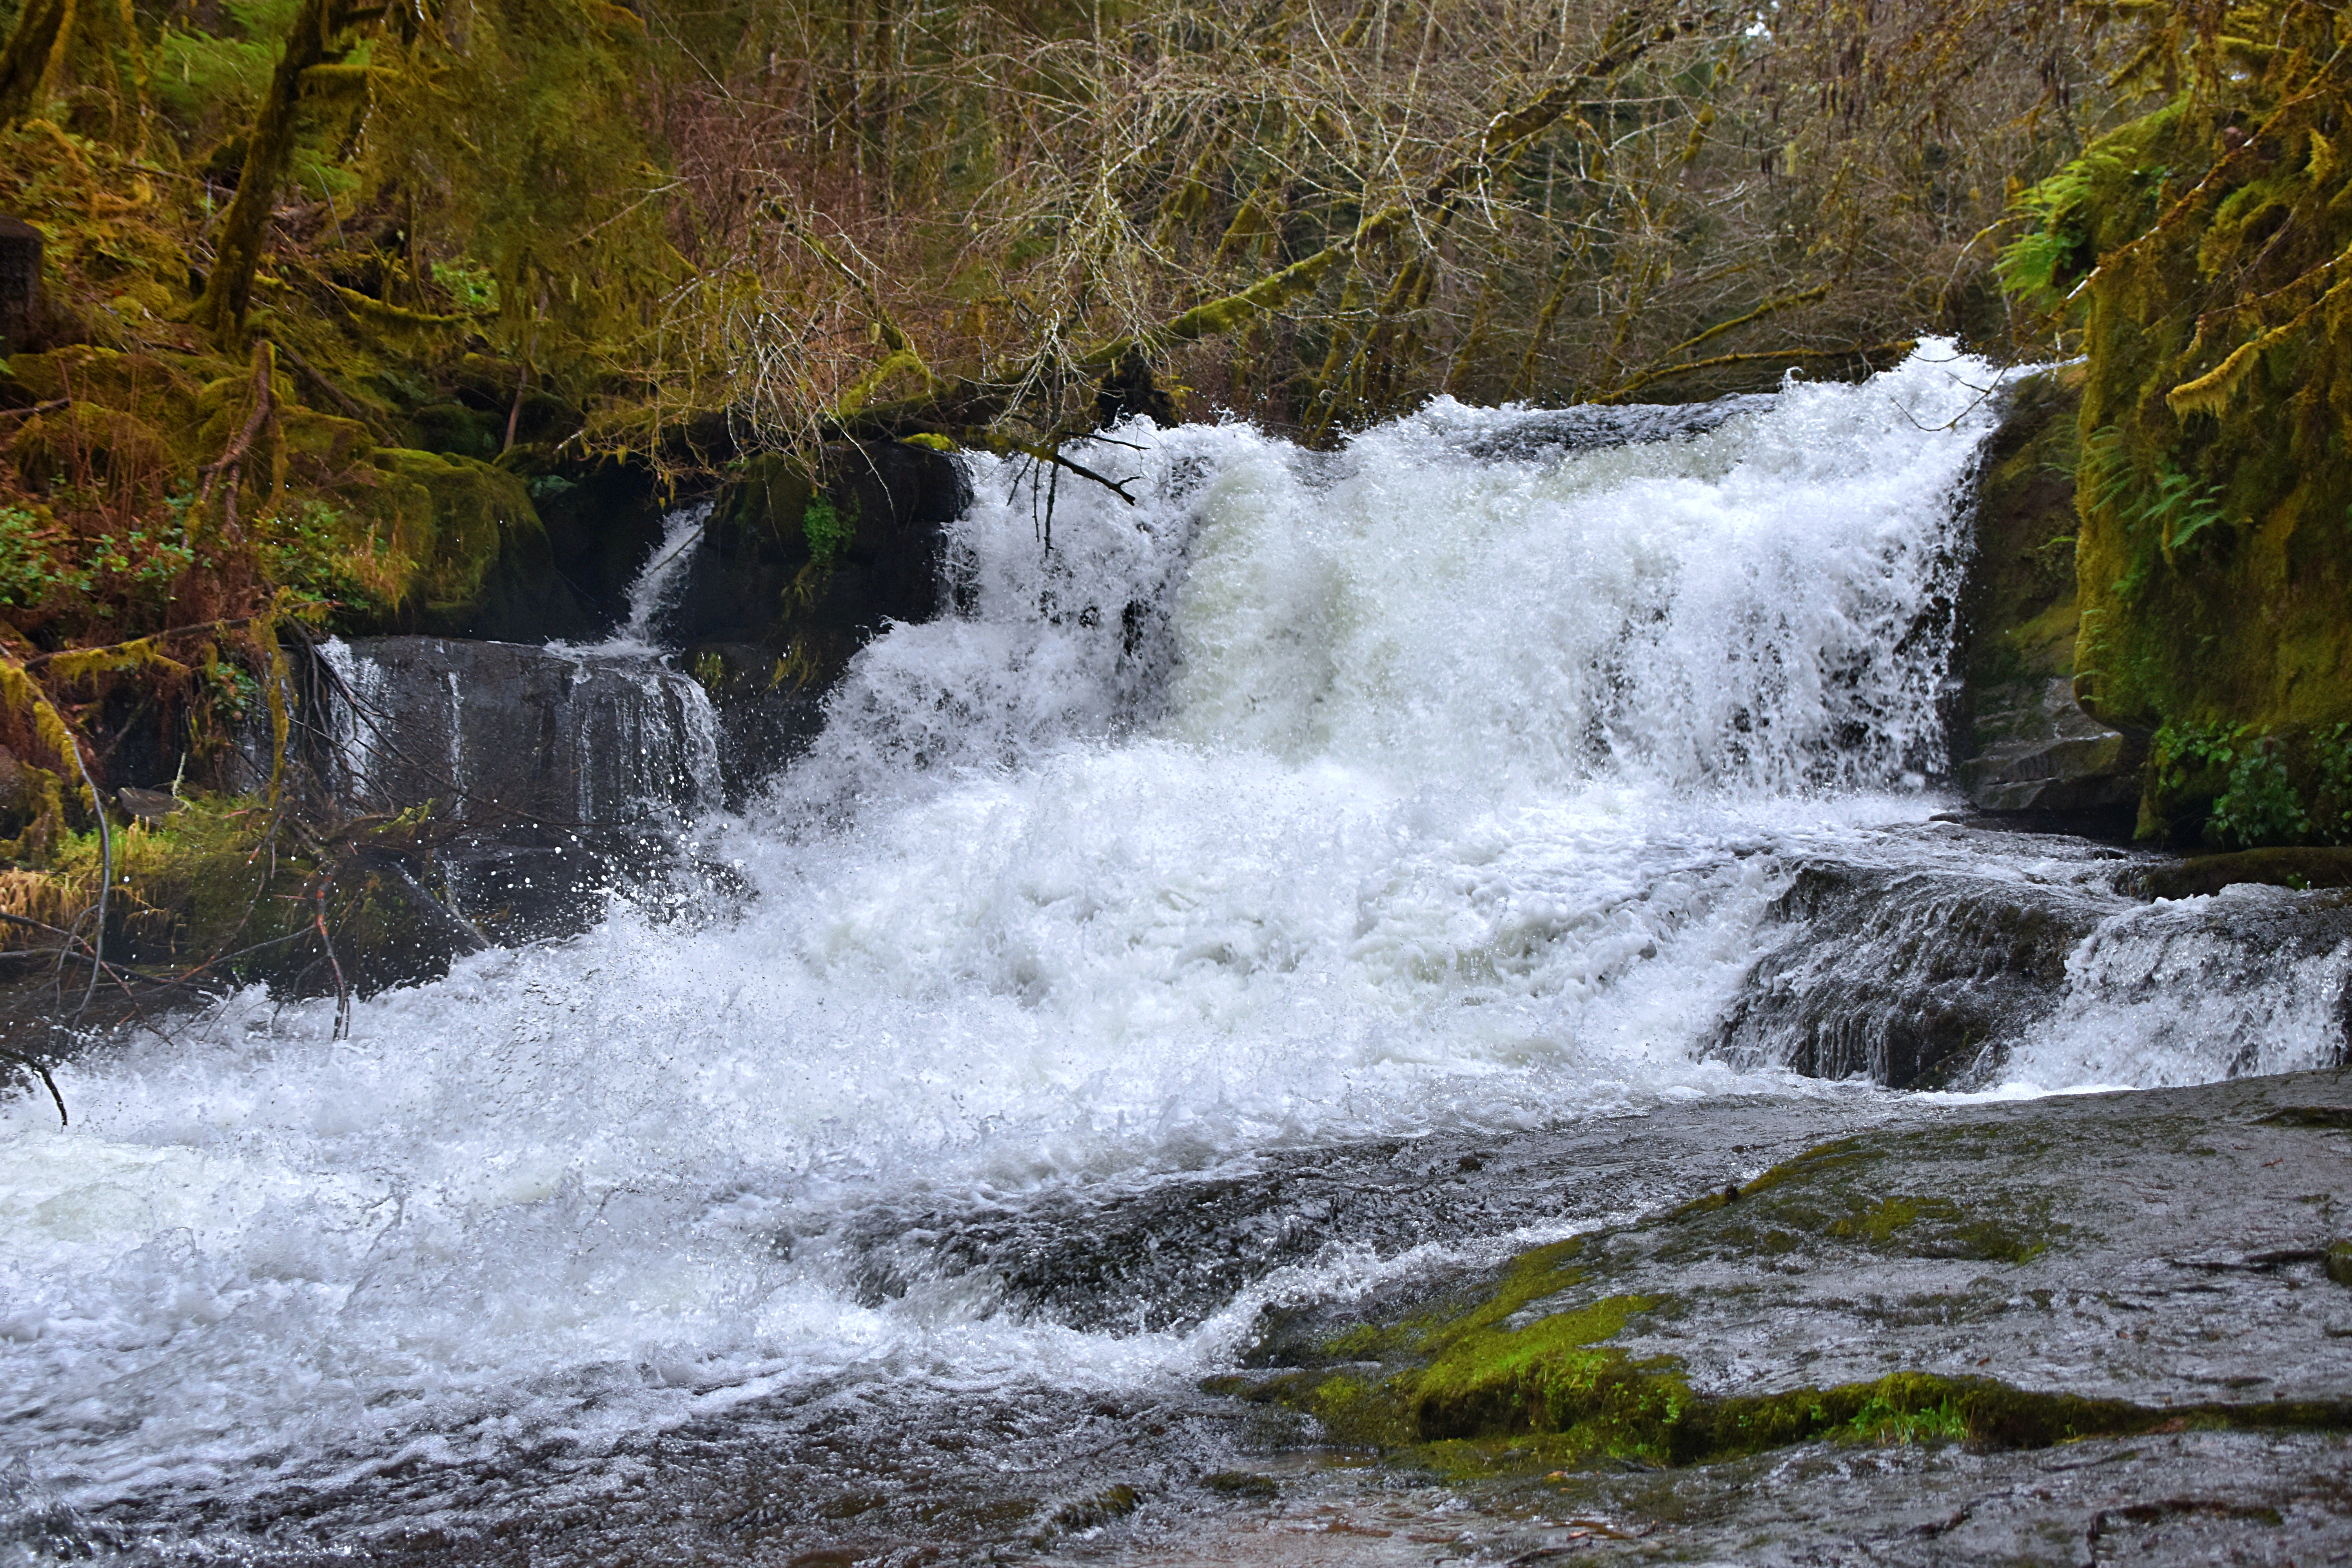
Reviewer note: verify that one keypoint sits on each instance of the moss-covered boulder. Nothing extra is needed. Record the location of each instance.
(1981, 1278)
(483, 565)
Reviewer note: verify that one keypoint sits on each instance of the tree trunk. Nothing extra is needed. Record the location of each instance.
(269, 148)
(58, 44)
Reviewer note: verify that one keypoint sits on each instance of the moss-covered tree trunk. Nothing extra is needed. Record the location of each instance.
(270, 150)
(58, 44)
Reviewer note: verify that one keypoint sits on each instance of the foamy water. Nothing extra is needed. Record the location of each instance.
(1316, 796)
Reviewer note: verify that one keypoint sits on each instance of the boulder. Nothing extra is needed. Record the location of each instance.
(2037, 750)
(506, 733)
(1915, 979)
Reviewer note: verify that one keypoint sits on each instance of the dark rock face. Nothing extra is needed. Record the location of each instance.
(1535, 432)
(764, 719)
(507, 733)
(1911, 979)
(772, 569)
(2039, 752)
(2019, 742)
(604, 519)
(519, 884)
(791, 579)
(2201, 874)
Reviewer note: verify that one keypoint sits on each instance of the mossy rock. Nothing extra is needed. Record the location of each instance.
(2020, 611)
(1547, 1364)
(483, 565)
(448, 425)
(2276, 868)
(2214, 559)
(2020, 743)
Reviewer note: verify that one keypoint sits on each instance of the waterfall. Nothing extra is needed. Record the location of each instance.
(657, 584)
(1456, 779)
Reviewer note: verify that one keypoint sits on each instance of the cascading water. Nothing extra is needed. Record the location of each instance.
(657, 584)
(576, 737)
(1443, 786)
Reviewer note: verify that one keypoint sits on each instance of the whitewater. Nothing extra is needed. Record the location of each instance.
(1442, 784)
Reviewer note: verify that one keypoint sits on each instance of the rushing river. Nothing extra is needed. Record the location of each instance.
(1317, 808)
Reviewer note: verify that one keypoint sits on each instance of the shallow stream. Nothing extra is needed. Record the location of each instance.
(1330, 869)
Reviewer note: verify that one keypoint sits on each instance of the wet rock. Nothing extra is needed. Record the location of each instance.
(485, 568)
(2039, 752)
(765, 719)
(2021, 743)
(604, 519)
(502, 734)
(1911, 979)
(809, 573)
(1532, 433)
(521, 883)
(2001, 1275)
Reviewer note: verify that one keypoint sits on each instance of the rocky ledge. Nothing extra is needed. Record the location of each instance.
(1884, 1337)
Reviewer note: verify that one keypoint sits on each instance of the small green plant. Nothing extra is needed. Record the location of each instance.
(310, 549)
(469, 284)
(32, 565)
(2173, 503)
(141, 560)
(231, 691)
(1883, 1420)
(2260, 805)
(828, 533)
(2044, 263)
(2184, 754)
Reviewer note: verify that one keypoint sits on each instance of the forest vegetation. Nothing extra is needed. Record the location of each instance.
(338, 296)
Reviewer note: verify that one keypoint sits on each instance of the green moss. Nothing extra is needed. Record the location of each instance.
(1597, 1407)
(2214, 559)
(1543, 1377)
(456, 518)
(1879, 1222)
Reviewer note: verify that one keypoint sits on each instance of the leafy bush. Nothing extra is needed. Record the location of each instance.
(2261, 804)
(2332, 810)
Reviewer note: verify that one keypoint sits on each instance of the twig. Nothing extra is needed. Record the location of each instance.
(342, 991)
(262, 355)
(48, 1082)
(106, 877)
